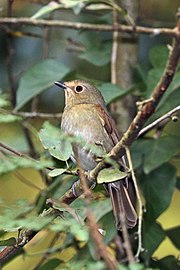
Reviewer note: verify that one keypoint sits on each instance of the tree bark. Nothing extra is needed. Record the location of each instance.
(126, 58)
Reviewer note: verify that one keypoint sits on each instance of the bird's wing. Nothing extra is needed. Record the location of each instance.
(110, 127)
(119, 193)
(108, 124)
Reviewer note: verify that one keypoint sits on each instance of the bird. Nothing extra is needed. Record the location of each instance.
(85, 115)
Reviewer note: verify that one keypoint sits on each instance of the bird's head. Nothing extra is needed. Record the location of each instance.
(80, 92)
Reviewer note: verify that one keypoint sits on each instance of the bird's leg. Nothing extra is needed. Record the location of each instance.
(77, 187)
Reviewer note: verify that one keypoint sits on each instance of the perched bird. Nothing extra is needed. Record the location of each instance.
(85, 115)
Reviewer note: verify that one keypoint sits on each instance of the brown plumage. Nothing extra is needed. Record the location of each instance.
(85, 115)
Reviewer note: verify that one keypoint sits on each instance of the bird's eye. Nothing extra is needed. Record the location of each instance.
(79, 88)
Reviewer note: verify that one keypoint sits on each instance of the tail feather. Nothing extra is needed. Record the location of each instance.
(121, 203)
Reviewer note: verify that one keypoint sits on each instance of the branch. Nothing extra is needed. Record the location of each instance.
(9, 60)
(168, 116)
(33, 114)
(90, 26)
(114, 50)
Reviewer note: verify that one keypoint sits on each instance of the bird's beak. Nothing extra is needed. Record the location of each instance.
(61, 85)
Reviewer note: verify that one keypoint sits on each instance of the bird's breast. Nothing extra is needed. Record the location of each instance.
(83, 122)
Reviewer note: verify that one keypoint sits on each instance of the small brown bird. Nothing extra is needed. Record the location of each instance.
(85, 115)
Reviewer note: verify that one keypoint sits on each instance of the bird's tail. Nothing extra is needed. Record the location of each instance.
(122, 204)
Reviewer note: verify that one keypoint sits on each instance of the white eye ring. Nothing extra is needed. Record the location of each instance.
(79, 88)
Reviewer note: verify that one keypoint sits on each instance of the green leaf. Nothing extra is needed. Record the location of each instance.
(56, 172)
(109, 175)
(8, 118)
(46, 10)
(80, 232)
(76, 5)
(153, 78)
(52, 140)
(171, 102)
(158, 187)
(71, 226)
(101, 208)
(137, 266)
(153, 235)
(98, 56)
(8, 242)
(4, 102)
(174, 87)
(151, 153)
(139, 149)
(39, 78)
(108, 225)
(159, 56)
(50, 264)
(11, 163)
(13, 223)
(178, 183)
(9, 216)
(166, 263)
(161, 151)
(111, 92)
(173, 234)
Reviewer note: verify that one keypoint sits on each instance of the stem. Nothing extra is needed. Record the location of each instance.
(90, 26)
(154, 124)
(139, 202)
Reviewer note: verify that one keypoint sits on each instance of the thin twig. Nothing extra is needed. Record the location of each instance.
(26, 181)
(127, 244)
(9, 60)
(33, 114)
(140, 216)
(114, 50)
(8, 148)
(19, 154)
(154, 124)
(32, 150)
(93, 226)
(47, 253)
(46, 39)
(89, 26)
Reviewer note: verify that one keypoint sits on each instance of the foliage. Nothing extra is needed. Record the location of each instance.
(154, 157)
